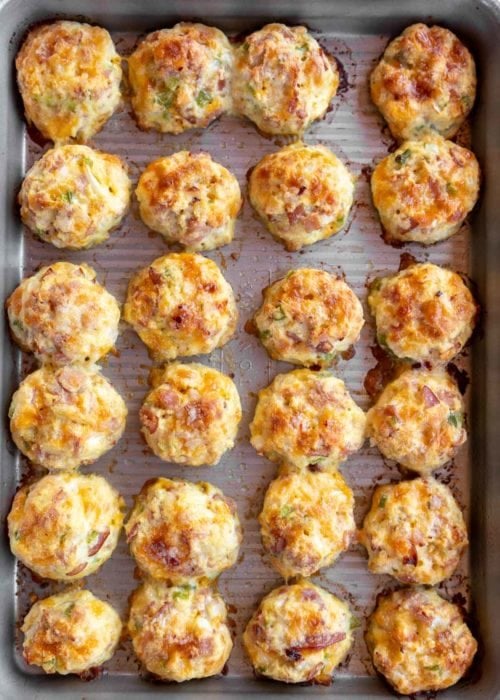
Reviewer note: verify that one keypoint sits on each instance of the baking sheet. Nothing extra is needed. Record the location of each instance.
(356, 133)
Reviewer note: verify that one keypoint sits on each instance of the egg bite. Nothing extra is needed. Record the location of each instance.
(414, 531)
(190, 199)
(283, 80)
(66, 525)
(419, 641)
(191, 415)
(61, 418)
(179, 632)
(69, 76)
(307, 520)
(425, 82)
(304, 418)
(309, 317)
(180, 78)
(181, 305)
(181, 532)
(418, 420)
(299, 633)
(63, 315)
(424, 190)
(302, 193)
(74, 196)
(424, 313)
(71, 632)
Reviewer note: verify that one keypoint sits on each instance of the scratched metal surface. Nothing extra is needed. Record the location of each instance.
(355, 132)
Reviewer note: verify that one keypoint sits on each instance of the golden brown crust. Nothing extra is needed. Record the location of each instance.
(183, 532)
(414, 531)
(302, 193)
(425, 81)
(283, 79)
(189, 199)
(69, 75)
(192, 414)
(181, 305)
(418, 420)
(65, 417)
(66, 525)
(181, 77)
(423, 313)
(63, 315)
(308, 318)
(179, 632)
(298, 634)
(70, 632)
(73, 196)
(419, 641)
(306, 417)
(306, 521)
(425, 189)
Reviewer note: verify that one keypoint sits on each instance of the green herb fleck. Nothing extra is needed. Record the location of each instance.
(279, 314)
(328, 357)
(382, 340)
(376, 284)
(68, 196)
(88, 161)
(316, 460)
(401, 158)
(436, 667)
(69, 610)
(183, 592)
(286, 511)
(354, 623)
(340, 220)
(456, 418)
(303, 48)
(466, 100)
(91, 536)
(203, 98)
(382, 502)
(451, 189)
(16, 323)
(264, 335)
(166, 97)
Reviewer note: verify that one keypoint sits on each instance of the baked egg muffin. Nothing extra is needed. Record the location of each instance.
(425, 189)
(307, 520)
(424, 313)
(305, 418)
(425, 81)
(73, 196)
(181, 78)
(190, 199)
(66, 525)
(70, 632)
(298, 634)
(419, 641)
(180, 531)
(302, 193)
(418, 420)
(414, 531)
(192, 414)
(181, 305)
(179, 632)
(64, 417)
(63, 315)
(69, 75)
(283, 79)
(309, 317)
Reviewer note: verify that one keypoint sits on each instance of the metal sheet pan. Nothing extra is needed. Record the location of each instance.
(356, 34)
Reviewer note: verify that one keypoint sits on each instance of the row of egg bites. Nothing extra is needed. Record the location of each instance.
(66, 414)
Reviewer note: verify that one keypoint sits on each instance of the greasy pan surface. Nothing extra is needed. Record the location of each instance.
(356, 34)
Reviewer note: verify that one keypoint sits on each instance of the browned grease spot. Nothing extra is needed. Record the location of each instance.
(459, 375)
(367, 172)
(384, 371)
(90, 674)
(406, 260)
(250, 327)
(36, 136)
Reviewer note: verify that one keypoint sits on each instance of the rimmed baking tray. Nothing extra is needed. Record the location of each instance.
(355, 33)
